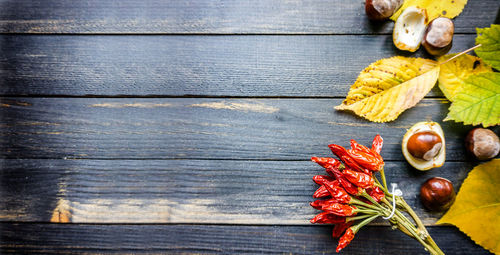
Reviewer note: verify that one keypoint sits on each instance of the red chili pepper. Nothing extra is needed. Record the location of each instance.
(348, 186)
(343, 155)
(327, 218)
(321, 192)
(340, 209)
(326, 162)
(319, 204)
(377, 143)
(320, 179)
(345, 239)
(338, 193)
(365, 157)
(359, 179)
(340, 228)
(376, 193)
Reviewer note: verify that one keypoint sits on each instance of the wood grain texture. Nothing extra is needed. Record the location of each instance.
(243, 66)
(194, 128)
(208, 239)
(182, 191)
(209, 17)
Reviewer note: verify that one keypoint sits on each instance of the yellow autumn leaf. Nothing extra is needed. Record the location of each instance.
(385, 74)
(453, 73)
(476, 210)
(389, 86)
(435, 8)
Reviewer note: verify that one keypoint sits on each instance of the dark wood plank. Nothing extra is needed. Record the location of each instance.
(213, 239)
(297, 66)
(194, 128)
(206, 16)
(182, 191)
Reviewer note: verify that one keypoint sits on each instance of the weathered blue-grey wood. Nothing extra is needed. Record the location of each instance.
(182, 191)
(209, 239)
(208, 17)
(243, 66)
(202, 128)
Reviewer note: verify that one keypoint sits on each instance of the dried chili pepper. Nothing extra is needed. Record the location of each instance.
(365, 157)
(328, 218)
(345, 239)
(348, 186)
(338, 193)
(376, 193)
(321, 192)
(377, 144)
(340, 209)
(359, 179)
(326, 162)
(319, 204)
(343, 154)
(340, 228)
(320, 179)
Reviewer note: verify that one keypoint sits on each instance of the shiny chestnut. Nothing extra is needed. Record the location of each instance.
(438, 36)
(482, 143)
(381, 9)
(424, 145)
(437, 194)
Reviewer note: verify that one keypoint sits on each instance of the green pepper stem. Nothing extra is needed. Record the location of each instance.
(364, 222)
(382, 175)
(361, 203)
(359, 217)
(406, 226)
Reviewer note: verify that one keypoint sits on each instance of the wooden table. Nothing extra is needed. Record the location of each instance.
(186, 126)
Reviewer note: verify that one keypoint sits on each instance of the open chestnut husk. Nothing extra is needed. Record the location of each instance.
(482, 143)
(381, 9)
(409, 29)
(437, 194)
(438, 36)
(423, 146)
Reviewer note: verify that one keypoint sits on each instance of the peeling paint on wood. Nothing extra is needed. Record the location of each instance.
(244, 107)
(182, 191)
(292, 129)
(137, 105)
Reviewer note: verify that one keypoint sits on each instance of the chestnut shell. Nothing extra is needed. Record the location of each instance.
(482, 143)
(424, 145)
(438, 36)
(381, 9)
(437, 194)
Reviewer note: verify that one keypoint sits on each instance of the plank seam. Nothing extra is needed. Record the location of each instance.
(208, 34)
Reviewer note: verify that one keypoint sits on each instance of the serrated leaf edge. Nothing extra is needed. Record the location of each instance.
(441, 222)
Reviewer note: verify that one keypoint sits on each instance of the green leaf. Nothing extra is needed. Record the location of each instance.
(478, 102)
(454, 72)
(476, 210)
(489, 38)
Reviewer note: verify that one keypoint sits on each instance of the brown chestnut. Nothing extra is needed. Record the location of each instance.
(381, 9)
(482, 143)
(438, 36)
(424, 145)
(437, 194)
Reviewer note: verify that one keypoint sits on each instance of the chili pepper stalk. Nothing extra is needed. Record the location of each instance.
(418, 232)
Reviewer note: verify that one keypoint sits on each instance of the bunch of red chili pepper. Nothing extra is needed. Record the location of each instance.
(352, 193)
